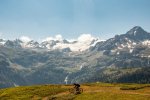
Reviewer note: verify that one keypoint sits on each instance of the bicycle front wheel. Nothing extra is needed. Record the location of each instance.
(80, 90)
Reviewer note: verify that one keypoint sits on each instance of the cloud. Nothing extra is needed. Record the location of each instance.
(83, 42)
(25, 39)
(55, 38)
(86, 38)
(58, 37)
(1, 34)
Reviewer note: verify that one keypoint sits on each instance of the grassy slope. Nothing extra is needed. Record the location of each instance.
(93, 91)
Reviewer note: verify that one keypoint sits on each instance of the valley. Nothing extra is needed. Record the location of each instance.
(124, 58)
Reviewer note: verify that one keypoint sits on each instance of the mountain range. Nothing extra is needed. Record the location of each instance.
(123, 58)
(53, 43)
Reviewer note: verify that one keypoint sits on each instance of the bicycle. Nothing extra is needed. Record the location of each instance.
(74, 91)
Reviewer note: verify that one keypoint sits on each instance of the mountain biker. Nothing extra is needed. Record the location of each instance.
(77, 87)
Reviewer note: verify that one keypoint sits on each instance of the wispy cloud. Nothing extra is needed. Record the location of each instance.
(1, 34)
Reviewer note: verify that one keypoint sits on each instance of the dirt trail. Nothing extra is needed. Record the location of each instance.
(45, 98)
(56, 96)
(61, 94)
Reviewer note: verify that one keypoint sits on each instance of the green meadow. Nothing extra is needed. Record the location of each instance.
(91, 91)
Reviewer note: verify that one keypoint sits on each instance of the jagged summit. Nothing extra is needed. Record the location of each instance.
(138, 33)
(134, 36)
(135, 30)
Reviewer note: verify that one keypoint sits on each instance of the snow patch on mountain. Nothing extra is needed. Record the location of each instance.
(134, 33)
(146, 42)
(2, 42)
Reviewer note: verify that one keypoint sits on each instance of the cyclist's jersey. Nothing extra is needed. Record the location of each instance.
(76, 85)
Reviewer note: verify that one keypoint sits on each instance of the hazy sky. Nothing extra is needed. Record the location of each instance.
(71, 18)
